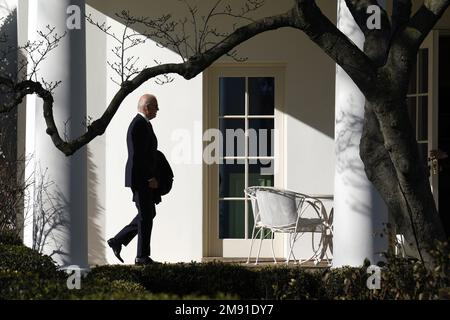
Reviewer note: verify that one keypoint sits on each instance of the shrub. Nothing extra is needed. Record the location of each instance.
(18, 285)
(199, 279)
(116, 272)
(287, 283)
(26, 260)
(25, 274)
(209, 279)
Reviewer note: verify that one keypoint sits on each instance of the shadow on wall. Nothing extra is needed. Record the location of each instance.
(96, 217)
(48, 216)
(51, 223)
(348, 138)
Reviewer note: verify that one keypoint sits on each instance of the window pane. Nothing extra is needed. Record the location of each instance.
(423, 153)
(261, 96)
(261, 173)
(231, 180)
(413, 80)
(423, 70)
(422, 132)
(260, 137)
(233, 137)
(232, 96)
(412, 109)
(231, 219)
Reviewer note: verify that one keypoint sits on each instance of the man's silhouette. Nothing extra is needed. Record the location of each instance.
(140, 177)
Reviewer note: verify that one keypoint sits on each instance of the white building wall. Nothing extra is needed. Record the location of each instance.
(177, 229)
(309, 127)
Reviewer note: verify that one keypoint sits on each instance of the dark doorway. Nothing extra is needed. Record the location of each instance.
(444, 130)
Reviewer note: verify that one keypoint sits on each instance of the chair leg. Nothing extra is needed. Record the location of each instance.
(316, 253)
(251, 245)
(291, 245)
(327, 243)
(260, 244)
(273, 251)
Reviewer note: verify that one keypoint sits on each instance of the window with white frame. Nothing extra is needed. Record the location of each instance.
(417, 99)
(247, 123)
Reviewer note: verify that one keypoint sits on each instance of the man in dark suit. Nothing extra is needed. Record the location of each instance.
(140, 177)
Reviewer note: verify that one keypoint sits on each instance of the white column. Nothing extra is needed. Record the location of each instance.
(360, 212)
(64, 196)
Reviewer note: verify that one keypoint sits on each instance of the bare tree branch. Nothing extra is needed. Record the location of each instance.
(126, 66)
(162, 29)
(167, 31)
(38, 51)
(188, 70)
(319, 29)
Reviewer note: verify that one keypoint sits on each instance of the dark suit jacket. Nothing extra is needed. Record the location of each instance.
(142, 145)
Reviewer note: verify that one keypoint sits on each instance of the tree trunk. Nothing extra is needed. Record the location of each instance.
(390, 154)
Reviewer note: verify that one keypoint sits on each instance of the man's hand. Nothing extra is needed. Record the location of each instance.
(153, 183)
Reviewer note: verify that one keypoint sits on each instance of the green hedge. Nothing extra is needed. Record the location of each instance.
(23, 259)
(209, 279)
(25, 274)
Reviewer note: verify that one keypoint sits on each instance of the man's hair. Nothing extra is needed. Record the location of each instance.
(144, 100)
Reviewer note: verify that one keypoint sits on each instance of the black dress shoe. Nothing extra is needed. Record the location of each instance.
(116, 248)
(145, 261)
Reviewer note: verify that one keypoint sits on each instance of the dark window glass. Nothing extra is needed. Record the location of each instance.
(261, 99)
(260, 137)
(412, 111)
(232, 96)
(261, 96)
(413, 80)
(423, 70)
(231, 219)
(233, 137)
(422, 114)
(231, 180)
(261, 173)
(423, 153)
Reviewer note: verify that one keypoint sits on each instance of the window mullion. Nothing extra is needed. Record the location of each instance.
(246, 157)
(417, 94)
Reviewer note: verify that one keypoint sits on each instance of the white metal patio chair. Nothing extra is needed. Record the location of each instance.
(282, 211)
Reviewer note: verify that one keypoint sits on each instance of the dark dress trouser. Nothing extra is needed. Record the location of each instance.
(142, 224)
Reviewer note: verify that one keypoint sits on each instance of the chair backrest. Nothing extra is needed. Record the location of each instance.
(276, 209)
(255, 208)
